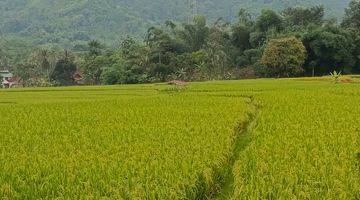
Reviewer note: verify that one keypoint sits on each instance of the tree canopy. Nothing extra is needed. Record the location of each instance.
(296, 41)
(69, 22)
(284, 57)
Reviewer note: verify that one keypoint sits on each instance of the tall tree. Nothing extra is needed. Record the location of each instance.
(93, 63)
(64, 71)
(267, 20)
(299, 16)
(46, 61)
(218, 50)
(351, 21)
(3, 60)
(329, 48)
(240, 33)
(352, 15)
(284, 57)
(136, 59)
(194, 35)
(95, 48)
(159, 43)
(245, 18)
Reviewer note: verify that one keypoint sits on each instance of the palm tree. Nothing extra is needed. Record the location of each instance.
(94, 47)
(44, 61)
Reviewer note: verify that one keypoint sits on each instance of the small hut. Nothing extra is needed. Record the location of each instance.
(5, 74)
(78, 78)
(9, 80)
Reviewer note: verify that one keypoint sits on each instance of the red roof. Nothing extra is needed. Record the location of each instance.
(15, 79)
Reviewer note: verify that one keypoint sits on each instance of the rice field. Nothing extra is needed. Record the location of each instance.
(253, 139)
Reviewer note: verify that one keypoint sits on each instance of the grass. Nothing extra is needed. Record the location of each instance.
(253, 139)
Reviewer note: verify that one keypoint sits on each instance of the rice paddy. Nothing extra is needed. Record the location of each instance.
(254, 139)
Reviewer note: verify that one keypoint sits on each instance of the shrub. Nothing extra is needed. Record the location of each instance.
(284, 57)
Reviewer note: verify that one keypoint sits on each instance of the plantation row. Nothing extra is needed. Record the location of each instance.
(256, 139)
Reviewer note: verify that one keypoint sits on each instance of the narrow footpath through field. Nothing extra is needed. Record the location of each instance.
(241, 142)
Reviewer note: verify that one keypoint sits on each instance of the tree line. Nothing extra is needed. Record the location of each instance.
(294, 42)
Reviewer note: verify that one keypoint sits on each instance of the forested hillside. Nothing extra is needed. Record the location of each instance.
(115, 42)
(67, 22)
(292, 42)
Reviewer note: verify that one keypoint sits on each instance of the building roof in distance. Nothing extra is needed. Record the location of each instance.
(6, 74)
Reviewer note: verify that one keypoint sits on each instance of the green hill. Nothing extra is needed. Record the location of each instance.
(68, 21)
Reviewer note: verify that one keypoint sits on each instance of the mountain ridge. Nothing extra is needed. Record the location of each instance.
(69, 21)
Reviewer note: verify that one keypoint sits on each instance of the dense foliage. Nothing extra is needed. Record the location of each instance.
(69, 22)
(205, 49)
(284, 57)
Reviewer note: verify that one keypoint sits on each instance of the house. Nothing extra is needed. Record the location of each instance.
(78, 78)
(5, 74)
(8, 80)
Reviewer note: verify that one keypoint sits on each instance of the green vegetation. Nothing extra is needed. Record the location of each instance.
(284, 56)
(69, 22)
(250, 139)
(118, 142)
(297, 41)
(336, 76)
(257, 139)
(304, 145)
